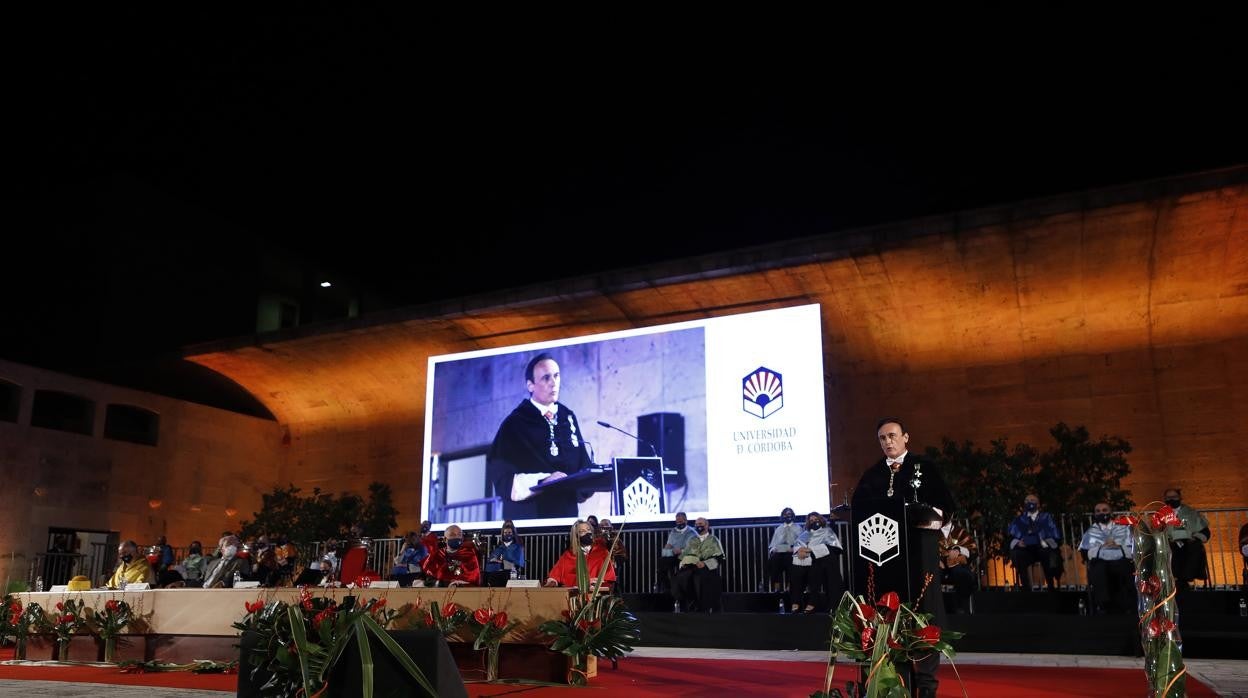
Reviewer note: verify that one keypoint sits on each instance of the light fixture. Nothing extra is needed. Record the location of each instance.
(154, 503)
(325, 284)
(230, 512)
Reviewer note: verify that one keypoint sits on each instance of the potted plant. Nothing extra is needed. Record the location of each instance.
(595, 624)
(491, 627)
(299, 645)
(67, 620)
(881, 634)
(110, 622)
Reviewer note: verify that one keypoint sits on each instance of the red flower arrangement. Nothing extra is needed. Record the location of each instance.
(881, 634)
(109, 623)
(446, 619)
(299, 643)
(490, 627)
(1159, 611)
(68, 620)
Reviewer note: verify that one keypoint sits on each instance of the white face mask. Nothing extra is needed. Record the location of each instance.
(230, 551)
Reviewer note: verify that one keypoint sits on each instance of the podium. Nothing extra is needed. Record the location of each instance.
(897, 538)
(880, 535)
(640, 485)
(578, 485)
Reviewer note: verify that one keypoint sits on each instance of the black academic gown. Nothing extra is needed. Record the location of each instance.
(523, 445)
(922, 548)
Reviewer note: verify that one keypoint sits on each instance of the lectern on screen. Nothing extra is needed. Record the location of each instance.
(640, 486)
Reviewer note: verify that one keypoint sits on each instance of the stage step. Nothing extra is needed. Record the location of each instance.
(1210, 636)
(990, 601)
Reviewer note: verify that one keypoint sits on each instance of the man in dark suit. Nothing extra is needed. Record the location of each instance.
(540, 442)
(220, 571)
(902, 478)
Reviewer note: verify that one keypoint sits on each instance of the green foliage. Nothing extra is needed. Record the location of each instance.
(1071, 477)
(1080, 472)
(299, 645)
(881, 636)
(378, 515)
(597, 623)
(321, 515)
(988, 485)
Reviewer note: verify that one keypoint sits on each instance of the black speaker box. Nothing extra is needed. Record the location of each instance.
(426, 647)
(666, 430)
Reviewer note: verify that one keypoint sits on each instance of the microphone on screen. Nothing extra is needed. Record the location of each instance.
(640, 440)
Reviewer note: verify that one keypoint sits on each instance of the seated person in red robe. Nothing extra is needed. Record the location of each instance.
(452, 562)
(581, 538)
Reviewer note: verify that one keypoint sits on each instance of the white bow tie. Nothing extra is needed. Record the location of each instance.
(895, 461)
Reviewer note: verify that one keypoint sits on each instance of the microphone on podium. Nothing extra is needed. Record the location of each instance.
(640, 440)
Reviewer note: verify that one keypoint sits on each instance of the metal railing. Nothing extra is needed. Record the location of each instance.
(58, 568)
(745, 550)
(1225, 563)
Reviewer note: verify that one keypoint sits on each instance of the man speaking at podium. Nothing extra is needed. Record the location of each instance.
(905, 487)
(539, 443)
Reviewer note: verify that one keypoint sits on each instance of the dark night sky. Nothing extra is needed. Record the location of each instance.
(428, 159)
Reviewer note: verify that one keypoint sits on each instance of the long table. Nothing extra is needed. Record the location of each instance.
(210, 612)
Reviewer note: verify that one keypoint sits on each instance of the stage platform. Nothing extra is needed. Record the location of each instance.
(1046, 623)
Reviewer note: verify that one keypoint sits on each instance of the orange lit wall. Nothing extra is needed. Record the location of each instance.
(1124, 310)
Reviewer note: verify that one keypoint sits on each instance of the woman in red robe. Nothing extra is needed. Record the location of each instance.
(596, 555)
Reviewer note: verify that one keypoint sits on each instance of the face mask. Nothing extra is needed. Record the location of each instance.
(813, 525)
(507, 537)
(586, 538)
(1100, 518)
(701, 529)
(127, 558)
(1031, 506)
(680, 526)
(1174, 503)
(230, 551)
(787, 518)
(454, 543)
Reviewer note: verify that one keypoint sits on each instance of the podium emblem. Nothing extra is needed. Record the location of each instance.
(878, 539)
(641, 497)
(762, 392)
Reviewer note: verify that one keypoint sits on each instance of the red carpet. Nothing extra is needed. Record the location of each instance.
(89, 674)
(642, 677)
(646, 677)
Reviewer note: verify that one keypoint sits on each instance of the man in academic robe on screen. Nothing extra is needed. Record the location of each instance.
(539, 443)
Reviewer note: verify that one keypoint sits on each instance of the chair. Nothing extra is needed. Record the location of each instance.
(355, 565)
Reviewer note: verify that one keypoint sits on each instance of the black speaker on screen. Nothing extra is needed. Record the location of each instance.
(666, 430)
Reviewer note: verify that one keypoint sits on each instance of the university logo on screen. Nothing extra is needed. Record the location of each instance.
(762, 392)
